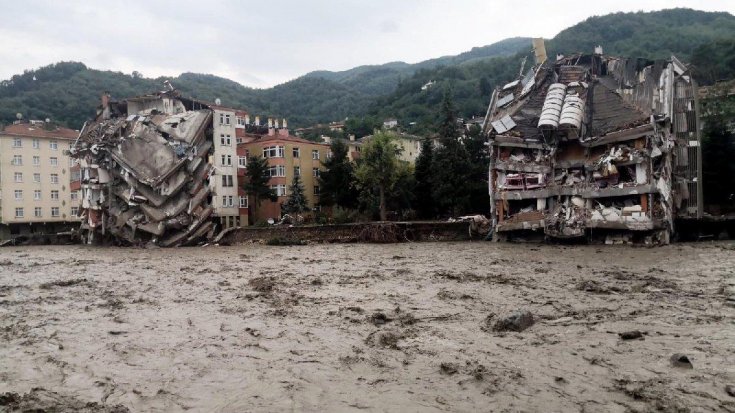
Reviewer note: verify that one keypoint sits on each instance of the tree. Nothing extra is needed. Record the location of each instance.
(378, 167)
(423, 195)
(451, 164)
(257, 183)
(337, 181)
(296, 202)
(479, 157)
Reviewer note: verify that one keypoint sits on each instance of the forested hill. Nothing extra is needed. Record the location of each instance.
(380, 80)
(68, 92)
(704, 39)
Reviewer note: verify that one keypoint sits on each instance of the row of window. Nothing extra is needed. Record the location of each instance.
(280, 190)
(18, 177)
(38, 212)
(36, 143)
(18, 160)
(279, 152)
(228, 201)
(37, 195)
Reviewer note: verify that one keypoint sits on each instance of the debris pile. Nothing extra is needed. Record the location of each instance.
(589, 145)
(145, 171)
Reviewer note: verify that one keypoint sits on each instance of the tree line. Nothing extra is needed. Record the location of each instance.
(448, 179)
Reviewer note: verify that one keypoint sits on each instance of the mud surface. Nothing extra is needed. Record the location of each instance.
(408, 327)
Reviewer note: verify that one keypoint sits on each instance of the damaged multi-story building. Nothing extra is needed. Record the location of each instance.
(594, 147)
(145, 168)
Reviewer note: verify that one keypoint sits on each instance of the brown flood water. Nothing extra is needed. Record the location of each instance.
(402, 327)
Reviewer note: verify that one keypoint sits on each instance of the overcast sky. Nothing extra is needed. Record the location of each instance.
(264, 43)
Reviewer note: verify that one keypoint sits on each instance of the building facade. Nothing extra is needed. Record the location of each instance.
(36, 194)
(287, 156)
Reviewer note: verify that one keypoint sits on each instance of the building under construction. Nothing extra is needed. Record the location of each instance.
(594, 146)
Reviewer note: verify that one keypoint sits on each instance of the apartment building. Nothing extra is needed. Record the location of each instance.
(287, 156)
(597, 147)
(224, 185)
(36, 180)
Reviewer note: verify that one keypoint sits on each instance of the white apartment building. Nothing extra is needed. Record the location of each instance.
(224, 183)
(35, 180)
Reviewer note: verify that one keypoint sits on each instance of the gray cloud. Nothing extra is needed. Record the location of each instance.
(261, 44)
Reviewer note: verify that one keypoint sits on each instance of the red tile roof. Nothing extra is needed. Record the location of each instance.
(37, 131)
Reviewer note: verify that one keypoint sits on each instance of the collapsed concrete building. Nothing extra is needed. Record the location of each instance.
(594, 146)
(145, 171)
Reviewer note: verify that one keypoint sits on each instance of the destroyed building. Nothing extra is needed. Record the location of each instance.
(594, 146)
(145, 171)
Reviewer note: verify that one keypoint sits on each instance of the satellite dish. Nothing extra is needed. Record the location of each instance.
(19, 116)
(217, 102)
(48, 120)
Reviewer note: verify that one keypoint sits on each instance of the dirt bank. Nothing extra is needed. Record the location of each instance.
(400, 327)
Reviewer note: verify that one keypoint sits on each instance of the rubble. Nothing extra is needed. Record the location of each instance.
(595, 146)
(145, 171)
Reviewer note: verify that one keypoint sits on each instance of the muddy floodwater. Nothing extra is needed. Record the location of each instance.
(413, 327)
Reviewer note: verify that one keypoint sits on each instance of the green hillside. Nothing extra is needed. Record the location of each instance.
(706, 39)
(68, 92)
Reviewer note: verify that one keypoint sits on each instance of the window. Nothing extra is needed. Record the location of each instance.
(53, 145)
(36, 144)
(297, 171)
(315, 154)
(225, 140)
(17, 143)
(54, 161)
(315, 172)
(221, 118)
(19, 212)
(17, 160)
(227, 180)
(243, 202)
(36, 160)
(226, 160)
(227, 119)
(37, 195)
(238, 140)
(240, 121)
(296, 152)
(55, 195)
(228, 201)
(329, 155)
(55, 212)
(280, 190)
(36, 177)
(76, 175)
(74, 195)
(242, 162)
(18, 195)
(54, 178)
(273, 152)
(316, 189)
(318, 208)
(18, 177)
(37, 212)
(277, 171)
(74, 211)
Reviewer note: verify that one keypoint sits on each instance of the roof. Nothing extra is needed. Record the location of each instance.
(36, 131)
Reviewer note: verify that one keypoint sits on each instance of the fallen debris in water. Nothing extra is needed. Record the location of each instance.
(518, 321)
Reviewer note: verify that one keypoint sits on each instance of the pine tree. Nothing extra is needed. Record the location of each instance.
(257, 183)
(424, 200)
(337, 181)
(450, 164)
(296, 202)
